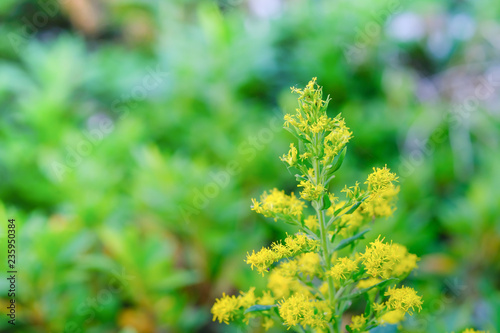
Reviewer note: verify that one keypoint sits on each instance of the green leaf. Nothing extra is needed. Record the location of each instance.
(258, 307)
(289, 220)
(352, 209)
(340, 160)
(326, 201)
(302, 147)
(300, 177)
(297, 135)
(294, 133)
(345, 242)
(368, 308)
(337, 211)
(381, 284)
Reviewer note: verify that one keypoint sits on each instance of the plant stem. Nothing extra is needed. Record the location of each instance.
(325, 242)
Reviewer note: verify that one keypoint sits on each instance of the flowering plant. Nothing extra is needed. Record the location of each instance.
(315, 275)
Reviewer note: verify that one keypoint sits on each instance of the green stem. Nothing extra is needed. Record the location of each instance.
(325, 243)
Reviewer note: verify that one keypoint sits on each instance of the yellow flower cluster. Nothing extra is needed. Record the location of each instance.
(353, 192)
(380, 258)
(277, 203)
(335, 141)
(343, 268)
(379, 201)
(267, 323)
(387, 259)
(351, 223)
(311, 222)
(311, 121)
(403, 299)
(470, 330)
(282, 282)
(367, 283)
(299, 309)
(383, 193)
(405, 261)
(381, 204)
(311, 192)
(392, 317)
(293, 245)
(309, 286)
(229, 307)
(291, 157)
(309, 264)
(358, 323)
(380, 179)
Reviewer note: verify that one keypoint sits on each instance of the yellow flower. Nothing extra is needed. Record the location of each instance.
(266, 298)
(311, 192)
(291, 158)
(404, 299)
(380, 179)
(267, 323)
(263, 259)
(353, 192)
(382, 203)
(343, 268)
(378, 307)
(383, 193)
(247, 299)
(380, 258)
(225, 308)
(298, 309)
(470, 330)
(358, 322)
(393, 317)
(305, 156)
(351, 223)
(335, 141)
(277, 203)
(367, 283)
(300, 242)
(406, 261)
(290, 120)
(323, 289)
(282, 284)
(230, 307)
(309, 264)
(312, 222)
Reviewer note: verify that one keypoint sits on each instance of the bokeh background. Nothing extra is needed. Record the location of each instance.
(121, 120)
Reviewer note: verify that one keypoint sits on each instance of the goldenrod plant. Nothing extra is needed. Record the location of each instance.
(316, 278)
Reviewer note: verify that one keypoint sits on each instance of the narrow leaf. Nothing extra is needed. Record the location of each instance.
(345, 242)
(364, 290)
(340, 160)
(326, 201)
(292, 131)
(354, 207)
(258, 307)
(297, 135)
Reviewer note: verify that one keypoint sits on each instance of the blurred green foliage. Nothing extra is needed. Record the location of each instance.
(133, 135)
